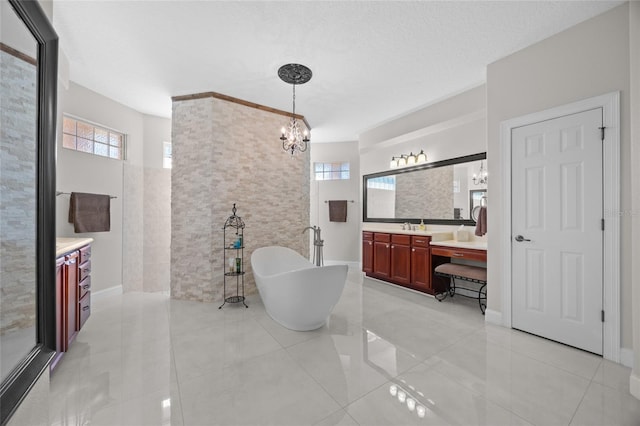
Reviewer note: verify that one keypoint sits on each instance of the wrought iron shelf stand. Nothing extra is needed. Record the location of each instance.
(234, 227)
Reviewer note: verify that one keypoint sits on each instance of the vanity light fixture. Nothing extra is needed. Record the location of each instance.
(408, 160)
(293, 139)
(482, 178)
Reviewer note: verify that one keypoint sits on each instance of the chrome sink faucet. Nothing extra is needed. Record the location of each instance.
(408, 226)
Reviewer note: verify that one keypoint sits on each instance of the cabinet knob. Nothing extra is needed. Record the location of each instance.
(413, 249)
(387, 245)
(392, 247)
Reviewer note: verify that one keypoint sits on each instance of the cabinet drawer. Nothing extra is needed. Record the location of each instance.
(401, 239)
(417, 241)
(367, 236)
(382, 237)
(84, 287)
(84, 270)
(85, 254)
(457, 253)
(84, 309)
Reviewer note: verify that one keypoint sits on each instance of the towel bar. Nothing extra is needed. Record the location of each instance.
(68, 193)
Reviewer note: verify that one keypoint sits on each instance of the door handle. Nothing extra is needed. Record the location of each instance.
(520, 238)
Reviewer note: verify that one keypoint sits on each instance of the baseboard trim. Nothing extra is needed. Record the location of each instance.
(351, 265)
(493, 317)
(634, 385)
(99, 295)
(626, 357)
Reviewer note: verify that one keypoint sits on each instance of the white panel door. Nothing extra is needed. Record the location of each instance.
(556, 243)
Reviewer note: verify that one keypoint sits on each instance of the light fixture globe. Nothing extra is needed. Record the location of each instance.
(293, 139)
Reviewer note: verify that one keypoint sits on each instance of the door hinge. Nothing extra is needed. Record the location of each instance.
(602, 132)
(602, 315)
(602, 224)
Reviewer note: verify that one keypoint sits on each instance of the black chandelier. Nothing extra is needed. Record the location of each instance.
(293, 139)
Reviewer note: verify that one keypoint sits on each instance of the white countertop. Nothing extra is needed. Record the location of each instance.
(66, 245)
(475, 245)
(436, 235)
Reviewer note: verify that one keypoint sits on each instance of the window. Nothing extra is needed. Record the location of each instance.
(387, 183)
(330, 171)
(166, 155)
(86, 137)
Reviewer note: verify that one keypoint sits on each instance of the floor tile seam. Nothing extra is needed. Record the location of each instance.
(386, 383)
(584, 394)
(549, 364)
(226, 364)
(313, 378)
(485, 397)
(338, 410)
(271, 335)
(175, 369)
(477, 392)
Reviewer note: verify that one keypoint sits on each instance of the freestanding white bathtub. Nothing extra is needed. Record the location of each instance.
(296, 294)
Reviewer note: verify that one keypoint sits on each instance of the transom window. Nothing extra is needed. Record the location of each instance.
(330, 171)
(387, 183)
(87, 137)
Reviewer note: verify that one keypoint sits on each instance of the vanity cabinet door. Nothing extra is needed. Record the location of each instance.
(71, 296)
(381, 259)
(421, 268)
(367, 252)
(60, 308)
(400, 263)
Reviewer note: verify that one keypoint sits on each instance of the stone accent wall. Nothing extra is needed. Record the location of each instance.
(426, 194)
(18, 94)
(225, 153)
(157, 229)
(132, 228)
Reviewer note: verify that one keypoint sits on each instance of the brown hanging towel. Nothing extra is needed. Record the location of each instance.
(337, 210)
(90, 212)
(481, 223)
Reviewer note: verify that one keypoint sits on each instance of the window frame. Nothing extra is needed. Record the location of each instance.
(94, 125)
(329, 172)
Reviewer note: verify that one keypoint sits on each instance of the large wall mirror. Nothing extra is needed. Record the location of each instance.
(28, 70)
(443, 192)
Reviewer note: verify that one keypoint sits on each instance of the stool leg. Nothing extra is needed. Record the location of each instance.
(452, 287)
(482, 298)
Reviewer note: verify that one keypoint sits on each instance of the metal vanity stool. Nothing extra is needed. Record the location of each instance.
(474, 274)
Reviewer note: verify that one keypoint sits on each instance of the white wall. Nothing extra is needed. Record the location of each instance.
(81, 172)
(341, 239)
(451, 128)
(156, 131)
(117, 259)
(634, 72)
(589, 59)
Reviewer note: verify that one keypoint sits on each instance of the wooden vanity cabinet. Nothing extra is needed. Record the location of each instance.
(367, 252)
(60, 310)
(421, 263)
(401, 259)
(398, 258)
(382, 255)
(71, 297)
(84, 287)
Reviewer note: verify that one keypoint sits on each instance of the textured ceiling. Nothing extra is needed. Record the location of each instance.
(371, 61)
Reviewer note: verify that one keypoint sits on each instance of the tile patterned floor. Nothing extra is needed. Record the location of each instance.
(386, 357)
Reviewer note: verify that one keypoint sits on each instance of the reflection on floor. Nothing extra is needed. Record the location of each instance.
(14, 346)
(387, 357)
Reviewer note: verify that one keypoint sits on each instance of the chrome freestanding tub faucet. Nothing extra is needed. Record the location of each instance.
(318, 243)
